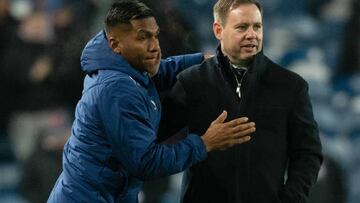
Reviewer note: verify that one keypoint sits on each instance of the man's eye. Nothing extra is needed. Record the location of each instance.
(141, 38)
(242, 28)
(257, 27)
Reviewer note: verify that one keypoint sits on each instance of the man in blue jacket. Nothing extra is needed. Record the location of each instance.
(113, 145)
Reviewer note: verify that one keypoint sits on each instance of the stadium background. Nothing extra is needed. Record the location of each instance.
(40, 82)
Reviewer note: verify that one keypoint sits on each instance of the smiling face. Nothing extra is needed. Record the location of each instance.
(241, 34)
(138, 44)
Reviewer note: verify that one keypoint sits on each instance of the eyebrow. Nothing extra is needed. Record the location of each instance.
(247, 24)
(148, 32)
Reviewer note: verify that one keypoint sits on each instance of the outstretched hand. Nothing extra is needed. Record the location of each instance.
(220, 135)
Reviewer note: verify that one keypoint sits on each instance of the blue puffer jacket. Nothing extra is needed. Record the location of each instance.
(112, 147)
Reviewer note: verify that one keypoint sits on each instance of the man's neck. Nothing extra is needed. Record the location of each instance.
(241, 63)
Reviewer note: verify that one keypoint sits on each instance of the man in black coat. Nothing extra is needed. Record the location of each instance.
(282, 160)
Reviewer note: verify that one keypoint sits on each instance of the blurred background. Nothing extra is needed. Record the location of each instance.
(41, 81)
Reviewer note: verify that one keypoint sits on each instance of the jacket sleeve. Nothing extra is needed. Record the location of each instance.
(170, 67)
(305, 155)
(132, 136)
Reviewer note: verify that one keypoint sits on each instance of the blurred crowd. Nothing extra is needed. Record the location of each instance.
(40, 83)
(41, 80)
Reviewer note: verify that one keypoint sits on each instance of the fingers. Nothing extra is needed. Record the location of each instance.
(243, 127)
(207, 55)
(220, 119)
(242, 140)
(236, 142)
(236, 122)
(243, 133)
(222, 135)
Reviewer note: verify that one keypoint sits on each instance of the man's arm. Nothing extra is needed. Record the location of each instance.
(170, 67)
(128, 128)
(305, 155)
(133, 137)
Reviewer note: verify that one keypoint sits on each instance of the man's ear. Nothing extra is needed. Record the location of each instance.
(217, 30)
(114, 44)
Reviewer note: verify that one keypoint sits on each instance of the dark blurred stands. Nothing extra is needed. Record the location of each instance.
(40, 82)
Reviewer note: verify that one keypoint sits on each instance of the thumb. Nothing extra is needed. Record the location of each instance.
(222, 117)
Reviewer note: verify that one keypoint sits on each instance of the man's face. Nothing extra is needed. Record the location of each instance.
(138, 44)
(242, 33)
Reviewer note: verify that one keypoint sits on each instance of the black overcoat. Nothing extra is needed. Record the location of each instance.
(282, 160)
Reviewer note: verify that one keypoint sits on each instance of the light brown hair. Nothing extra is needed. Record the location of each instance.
(223, 7)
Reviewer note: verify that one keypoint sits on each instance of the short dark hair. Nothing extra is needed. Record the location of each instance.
(123, 11)
(223, 7)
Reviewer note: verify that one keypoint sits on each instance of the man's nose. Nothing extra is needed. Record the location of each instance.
(154, 45)
(250, 33)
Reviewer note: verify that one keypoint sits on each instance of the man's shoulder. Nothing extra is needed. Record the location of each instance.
(279, 73)
(117, 78)
(114, 84)
(205, 67)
